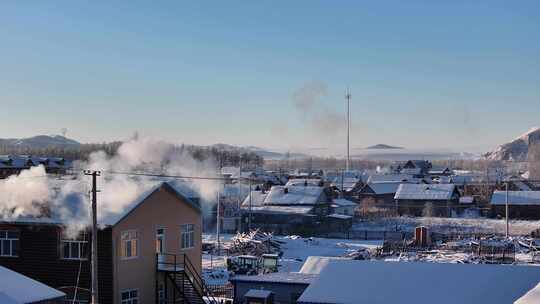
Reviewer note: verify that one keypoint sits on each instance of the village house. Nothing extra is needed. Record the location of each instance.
(426, 200)
(423, 165)
(148, 253)
(522, 204)
(302, 206)
(14, 164)
(381, 193)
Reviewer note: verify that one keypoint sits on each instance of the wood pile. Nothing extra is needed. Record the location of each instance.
(254, 243)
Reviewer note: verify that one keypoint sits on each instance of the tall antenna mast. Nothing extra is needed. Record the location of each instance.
(348, 97)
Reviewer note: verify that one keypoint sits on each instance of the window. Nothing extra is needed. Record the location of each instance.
(9, 243)
(160, 240)
(74, 249)
(130, 296)
(188, 236)
(129, 244)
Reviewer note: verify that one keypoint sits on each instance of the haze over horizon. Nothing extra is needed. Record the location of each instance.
(460, 76)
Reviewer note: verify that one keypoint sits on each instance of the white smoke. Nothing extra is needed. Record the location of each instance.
(323, 119)
(34, 194)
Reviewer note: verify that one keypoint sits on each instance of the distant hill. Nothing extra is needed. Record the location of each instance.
(382, 146)
(516, 150)
(40, 141)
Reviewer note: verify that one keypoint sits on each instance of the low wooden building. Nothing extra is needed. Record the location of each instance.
(522, 204)
(426, 199)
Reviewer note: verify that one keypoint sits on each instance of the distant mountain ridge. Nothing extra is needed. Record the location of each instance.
(383, 146)
(517, 149)
(40, 141)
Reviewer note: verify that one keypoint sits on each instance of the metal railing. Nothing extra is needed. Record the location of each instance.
(180, 263)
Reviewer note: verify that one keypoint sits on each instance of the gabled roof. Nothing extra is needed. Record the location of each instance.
(116, 218)
(349, 281)
(294, 195)
(425, 192)
(516, 198)
(19, 289)
(381, 188)
(315, 264)
(257, 199)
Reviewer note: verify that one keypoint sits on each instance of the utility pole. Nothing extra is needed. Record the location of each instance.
(218, 211)
(249, 219)
(506, 209)
(94, 259)
(348, 97)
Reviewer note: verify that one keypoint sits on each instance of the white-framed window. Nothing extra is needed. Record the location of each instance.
(9, 243)
(188, 236)
(74, 249)
(160, 240)
(129, 296)
(129, 245)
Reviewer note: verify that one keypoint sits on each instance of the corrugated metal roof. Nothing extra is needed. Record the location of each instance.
(425, 192)
(516, 198)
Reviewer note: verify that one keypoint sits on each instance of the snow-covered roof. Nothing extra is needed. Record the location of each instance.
(303, 182)
(516, 198)
(26, 161)
(344, 202)
(383, 187)
(391, 178)
(531, 297)
(257, 198)
(19, 289)
(278, 277)
(340, 216)
(294, 195)
(315, 264)
(466, 200)
(272, 209)
(425, 192)
(349, 281)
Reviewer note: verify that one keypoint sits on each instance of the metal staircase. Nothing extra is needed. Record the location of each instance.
(182, 283)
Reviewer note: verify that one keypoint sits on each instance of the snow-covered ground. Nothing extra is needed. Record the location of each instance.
(295, 251)
(449, 225)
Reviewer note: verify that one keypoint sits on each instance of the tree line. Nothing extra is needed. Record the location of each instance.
(223, 157)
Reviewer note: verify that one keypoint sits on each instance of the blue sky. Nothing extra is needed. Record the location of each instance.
(423, 74)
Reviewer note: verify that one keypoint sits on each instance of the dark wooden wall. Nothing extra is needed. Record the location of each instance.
(40, 258)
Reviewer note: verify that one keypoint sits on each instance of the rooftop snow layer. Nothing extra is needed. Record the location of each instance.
(294, 195)
(19, 289)
(516, 198)
(344, 202)
(315, 264)
(278, 277)
(425, 192)
(531, 297)
(348, 282)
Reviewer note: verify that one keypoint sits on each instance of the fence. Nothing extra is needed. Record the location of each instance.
(221, 291)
